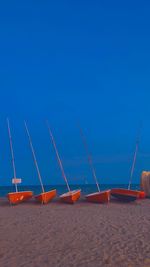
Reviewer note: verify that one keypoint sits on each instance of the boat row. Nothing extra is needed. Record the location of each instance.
(71, 196)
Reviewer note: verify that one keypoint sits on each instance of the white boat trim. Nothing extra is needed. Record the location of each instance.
(70, 193)
(98, 193)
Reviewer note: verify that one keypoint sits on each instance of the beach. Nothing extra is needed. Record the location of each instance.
(84, 234)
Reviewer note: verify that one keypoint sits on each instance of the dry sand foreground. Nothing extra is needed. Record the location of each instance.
(85, 235)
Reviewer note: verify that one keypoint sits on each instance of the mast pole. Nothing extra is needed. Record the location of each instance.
(134, 158)
(34, 157)
(12, 153)
(89, 158)
(133, 165)
(58, 157)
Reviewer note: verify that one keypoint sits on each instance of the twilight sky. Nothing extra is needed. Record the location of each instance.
(69, 62)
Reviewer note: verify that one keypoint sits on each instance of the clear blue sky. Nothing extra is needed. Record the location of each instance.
(70, 61)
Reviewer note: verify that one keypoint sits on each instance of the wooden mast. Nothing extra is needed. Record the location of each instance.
(89, 158)
(34, 157)
(12, 153)
(58, 157)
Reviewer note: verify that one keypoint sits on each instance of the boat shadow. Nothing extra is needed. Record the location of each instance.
(118, 202)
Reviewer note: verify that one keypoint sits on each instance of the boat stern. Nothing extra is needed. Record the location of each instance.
(46, 197)
(71, 197)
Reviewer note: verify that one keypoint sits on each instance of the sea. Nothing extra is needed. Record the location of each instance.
(86, 189)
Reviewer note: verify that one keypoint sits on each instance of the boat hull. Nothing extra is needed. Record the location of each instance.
(126, 194)
(46, 197)
(142, 195)
(71, 197)
(99, 197)
(18, 197)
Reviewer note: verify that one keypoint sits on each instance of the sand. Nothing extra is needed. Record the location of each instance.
(85, 235)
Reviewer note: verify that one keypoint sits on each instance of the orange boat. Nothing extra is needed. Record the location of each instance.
(69, 197)
(128, 194)
(122, 192)
(21, 196)
(44, 197)
(100, 196)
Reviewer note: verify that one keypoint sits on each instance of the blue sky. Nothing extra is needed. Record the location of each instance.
(70, 61)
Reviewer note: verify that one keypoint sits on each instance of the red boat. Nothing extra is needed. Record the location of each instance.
(127, 194)
(43, 197)
(99, 197)
(71, 197)
(46, 197)
(18, 197)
